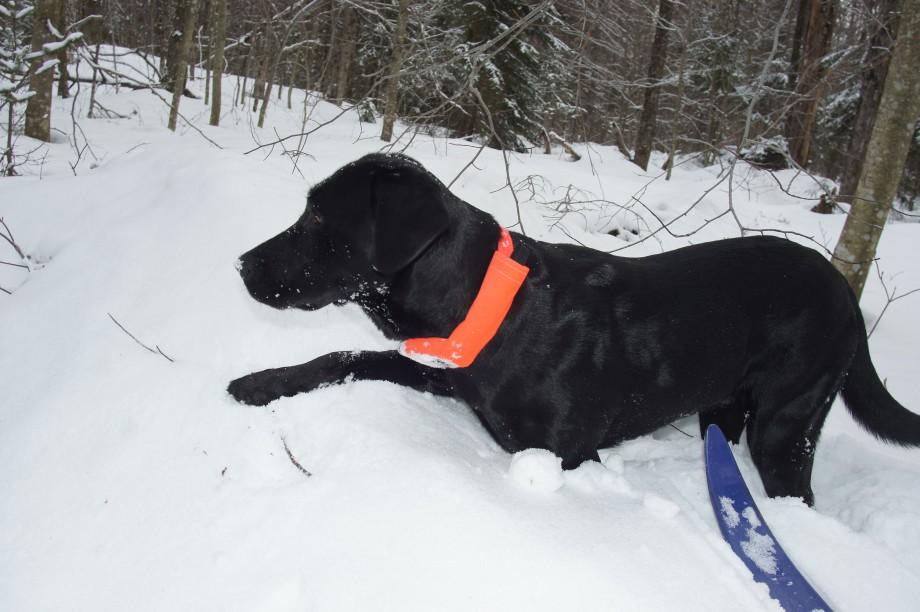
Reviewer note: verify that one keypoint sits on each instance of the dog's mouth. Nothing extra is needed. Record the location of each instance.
(311, 306)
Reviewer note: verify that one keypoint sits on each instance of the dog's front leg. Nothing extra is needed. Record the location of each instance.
(260, 388)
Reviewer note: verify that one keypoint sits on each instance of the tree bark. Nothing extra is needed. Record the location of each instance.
(58, 21)
(217, 60)
(94, 85)
(875, 68)
(649, 118)
(38, 109)
(190, 11)
(161, 10)
(796, 55)
(208, 48)
(817, 29)
(263, 59)
(672, 145)
(313, 35)
(326, 77)
(246, 66)
(272, 58)
(347, 45)
(171, 70)
(396, 58)
(885, 154)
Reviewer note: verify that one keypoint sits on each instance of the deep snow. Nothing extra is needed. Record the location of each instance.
(130, 482)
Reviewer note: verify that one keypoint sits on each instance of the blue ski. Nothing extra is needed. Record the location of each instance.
(745, 530)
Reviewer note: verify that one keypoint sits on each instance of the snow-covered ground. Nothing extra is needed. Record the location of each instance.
(129, 482)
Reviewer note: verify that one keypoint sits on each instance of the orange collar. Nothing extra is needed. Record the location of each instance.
(501, 283)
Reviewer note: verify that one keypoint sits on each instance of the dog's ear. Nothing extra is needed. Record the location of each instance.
(409, 213)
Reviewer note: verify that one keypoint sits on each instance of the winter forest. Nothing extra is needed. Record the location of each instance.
(785, 84)
(146, 144)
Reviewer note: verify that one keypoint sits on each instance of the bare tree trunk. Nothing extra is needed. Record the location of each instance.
(261, 74)
(272, 58)
(330, 55)
(181, 66)
(163, 31)
(310, 83)
(150, 25)
(795, 58)
(38, 109)
(209, 20)
(885, 155)
(875, 68)
(58, 20)
(396, 58)
(217, 60)
(818, 27)
(672, 147)
(8, 153)
(246, 66)
(171, 70)
(577, 120)
(114, 45)
(347, 44)
(93, 86)
(649, 118)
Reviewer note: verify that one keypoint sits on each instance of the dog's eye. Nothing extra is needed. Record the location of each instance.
(317, 219)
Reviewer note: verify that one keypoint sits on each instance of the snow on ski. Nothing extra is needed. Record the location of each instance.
(746, 531)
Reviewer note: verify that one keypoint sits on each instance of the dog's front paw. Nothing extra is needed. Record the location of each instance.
(254, 389)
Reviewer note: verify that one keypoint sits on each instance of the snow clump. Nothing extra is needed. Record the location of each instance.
(537, 469)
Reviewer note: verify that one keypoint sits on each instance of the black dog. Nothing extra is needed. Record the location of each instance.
(752, 332)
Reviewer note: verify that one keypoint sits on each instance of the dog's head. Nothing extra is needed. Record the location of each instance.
(362, 225)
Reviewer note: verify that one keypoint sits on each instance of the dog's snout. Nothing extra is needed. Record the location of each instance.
(248, 267)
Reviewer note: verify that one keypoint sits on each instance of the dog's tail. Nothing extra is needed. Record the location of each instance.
(868, 400)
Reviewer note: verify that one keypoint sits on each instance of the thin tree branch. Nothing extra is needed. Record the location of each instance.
(7, 235)
(293, 460)
(133, 337)
(464, 169)
(889, 295)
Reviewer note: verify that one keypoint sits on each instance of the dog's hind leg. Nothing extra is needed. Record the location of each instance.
(783, 442)
(260, 388)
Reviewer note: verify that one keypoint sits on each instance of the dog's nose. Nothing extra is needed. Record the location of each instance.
(248, 267)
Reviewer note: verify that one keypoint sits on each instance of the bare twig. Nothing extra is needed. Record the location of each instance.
(289, 153)
(15, 265)
(133, 337)
(471, 162)
(293, 460)
(889, 295)
(138, 145)
(184, 118)
(7, 235)
(488, 114)
(304, 134)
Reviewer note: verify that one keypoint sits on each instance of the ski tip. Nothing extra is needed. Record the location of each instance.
(714, 444)
(713, 430)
